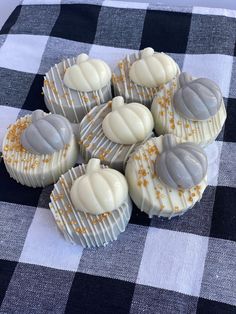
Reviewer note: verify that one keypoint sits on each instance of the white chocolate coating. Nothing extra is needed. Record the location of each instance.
(127, 123)
(147, 190)
(87, 74)
(94, 143)
(153, 69)
(72, 104)
(35, 170)
(167, 120)
(99, 190)
(124, 86)
(83, 228)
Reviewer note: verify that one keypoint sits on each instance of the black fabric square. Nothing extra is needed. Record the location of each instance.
(77, 22)
(36, 19)
(35, 99)
(229, 133)
(152, 300)
(211, 34)
(92, 294)
(37, 289)
(119, 27)
(213, 307)
(13, 192)
(14, 87)
(138, 217)
(224, 217)
(166, 31)
(11, 20)
(6, 271)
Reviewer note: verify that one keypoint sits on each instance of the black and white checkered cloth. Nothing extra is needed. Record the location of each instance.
(185, 265)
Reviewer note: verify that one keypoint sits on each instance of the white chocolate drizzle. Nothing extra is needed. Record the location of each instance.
(123, 86)
(35, 170)
(167, 120)
(70, 103)
(94, 143)
(148, 192)
(82, 228)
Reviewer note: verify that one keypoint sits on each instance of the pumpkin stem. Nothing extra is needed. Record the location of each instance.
(184, 78)
(93, 165)
(37, 115)
(169, 141)
(147, 52)
(82, 58)
(117, 102)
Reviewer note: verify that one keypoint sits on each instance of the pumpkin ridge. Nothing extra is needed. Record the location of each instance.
(85, 78)
(53, 128)
(186, 168)
(170, 174)
(193, 153)
(97, 70)
(94, 189)
(139, 111)
(107, 181)
(137, 76)
(133, 112)
(109, 124)
(94, 193)
(189, 86)
(185, 103)
(45, 140)
(131, 131)
(212, 91)
(150, 69)
(28, 141)
(149, 73)
(163, 67)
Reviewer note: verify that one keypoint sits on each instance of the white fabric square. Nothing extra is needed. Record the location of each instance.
(45, 245)
(213, 152)
(8, 116)
(213, 66)
(22, 52)
(173, 261)
(126, 5)
(35, 2)
(214, 11)
(110, 55)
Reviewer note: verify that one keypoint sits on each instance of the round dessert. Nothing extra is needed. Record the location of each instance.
(139, 76)
(166, 176)
(91, 205)
(74, 86)
(38, 148)
(112, 131)
(193, 109)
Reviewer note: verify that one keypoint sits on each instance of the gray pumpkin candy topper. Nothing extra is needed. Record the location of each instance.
(197, 99)
(46, 134)
(180, 165)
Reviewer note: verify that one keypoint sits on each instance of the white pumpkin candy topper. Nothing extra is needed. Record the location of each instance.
(87, 74)
(99, 190)
(153, 69)
(127, 123)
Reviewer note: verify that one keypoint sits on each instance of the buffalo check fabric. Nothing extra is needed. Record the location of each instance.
(185, 265)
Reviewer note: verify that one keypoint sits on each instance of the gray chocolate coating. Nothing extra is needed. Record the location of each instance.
(123, 85)
(181, 165)
(197, 99)
(70, 103)
(46, 134)
(94, 143)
